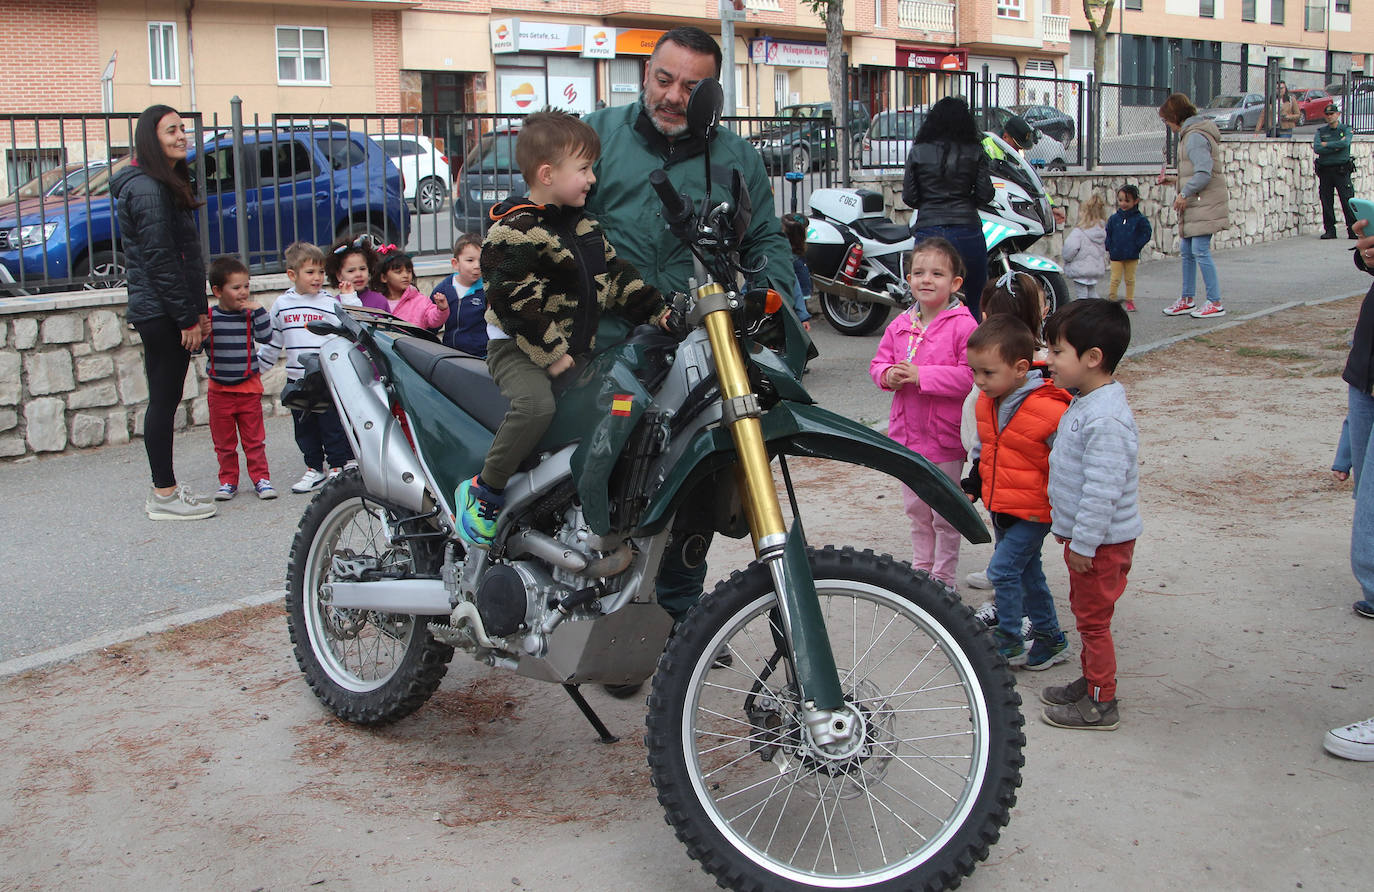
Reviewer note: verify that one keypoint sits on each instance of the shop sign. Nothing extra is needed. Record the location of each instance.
(521, 93)
(572, 94)
(636, 41)
(599, 43)
(519, 36)
(787, 54)
(936, 58)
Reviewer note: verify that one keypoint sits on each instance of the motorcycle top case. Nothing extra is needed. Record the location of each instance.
(846, 205)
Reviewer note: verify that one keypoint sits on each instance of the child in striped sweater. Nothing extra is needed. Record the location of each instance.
(235, 395)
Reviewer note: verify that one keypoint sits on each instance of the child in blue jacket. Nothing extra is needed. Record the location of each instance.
(1128, 230)
(466, 327)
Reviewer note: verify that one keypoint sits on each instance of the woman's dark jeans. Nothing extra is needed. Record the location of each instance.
(165, 363)
(973, 248)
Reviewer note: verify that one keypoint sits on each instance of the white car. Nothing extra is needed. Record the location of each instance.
(424, 169)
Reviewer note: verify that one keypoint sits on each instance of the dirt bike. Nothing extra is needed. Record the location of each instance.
(823, 719)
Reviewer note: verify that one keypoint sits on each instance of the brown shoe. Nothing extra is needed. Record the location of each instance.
(1063, 695)
(1085, 715)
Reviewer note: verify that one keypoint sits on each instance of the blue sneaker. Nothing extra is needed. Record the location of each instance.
(478, 507)
(1047, 650)
(1012, 648)
(1364, 608)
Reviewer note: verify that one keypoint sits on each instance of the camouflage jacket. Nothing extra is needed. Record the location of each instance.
(550, 272)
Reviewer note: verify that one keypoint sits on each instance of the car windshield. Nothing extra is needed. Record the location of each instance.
(1225, 100)
(494, 153)
(801, 111)
(897, 125)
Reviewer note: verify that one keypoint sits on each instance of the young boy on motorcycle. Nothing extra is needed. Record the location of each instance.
(549, 272)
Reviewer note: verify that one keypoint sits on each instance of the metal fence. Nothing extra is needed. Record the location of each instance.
(418, 181)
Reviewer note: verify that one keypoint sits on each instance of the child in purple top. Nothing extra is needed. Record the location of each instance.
(349, 266)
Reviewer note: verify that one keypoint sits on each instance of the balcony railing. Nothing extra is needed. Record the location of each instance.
(1054, 28)
(763, 5)
(933, 15)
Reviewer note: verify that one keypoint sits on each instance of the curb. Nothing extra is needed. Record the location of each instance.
(68, 652)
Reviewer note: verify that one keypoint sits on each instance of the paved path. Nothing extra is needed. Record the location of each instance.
(83, 564)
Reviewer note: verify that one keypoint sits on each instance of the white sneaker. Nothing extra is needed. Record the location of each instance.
(1352, 742)
(180, 505)
(978, 579)
(988, 614)
(311, 479)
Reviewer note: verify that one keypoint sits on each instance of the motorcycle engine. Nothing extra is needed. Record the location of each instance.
(509, 597)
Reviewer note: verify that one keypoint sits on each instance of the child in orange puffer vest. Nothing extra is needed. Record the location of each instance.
(1018, 414)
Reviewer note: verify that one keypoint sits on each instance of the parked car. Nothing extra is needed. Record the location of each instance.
(489, 174)
(1356, 86)
(61, 181)
(1047, 152)
(1048, 120)
(805, 139)
(1235, 111)
(299, 184)
(424, 169)
(889, 137)
(1314, 102)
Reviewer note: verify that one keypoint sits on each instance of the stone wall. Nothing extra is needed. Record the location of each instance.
(1272, 194)
(71, 372)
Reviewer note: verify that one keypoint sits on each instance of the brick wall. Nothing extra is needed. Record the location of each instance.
(386, 64)
(65, 73)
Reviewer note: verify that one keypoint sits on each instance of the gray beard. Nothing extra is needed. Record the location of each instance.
(671, 134)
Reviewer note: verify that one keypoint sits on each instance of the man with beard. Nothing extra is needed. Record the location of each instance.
(648, 135)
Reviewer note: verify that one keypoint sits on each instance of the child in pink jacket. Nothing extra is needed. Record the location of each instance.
(923, 360)
(393, 279)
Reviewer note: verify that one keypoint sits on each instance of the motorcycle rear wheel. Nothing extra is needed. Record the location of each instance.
(853, 317)
(914, 803)
(368, 668)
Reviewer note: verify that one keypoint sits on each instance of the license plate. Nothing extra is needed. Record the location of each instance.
(495, 194)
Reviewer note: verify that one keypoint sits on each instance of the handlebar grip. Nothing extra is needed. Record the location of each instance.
(675, 209)
(321, 327)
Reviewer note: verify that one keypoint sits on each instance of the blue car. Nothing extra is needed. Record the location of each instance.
(299, 185)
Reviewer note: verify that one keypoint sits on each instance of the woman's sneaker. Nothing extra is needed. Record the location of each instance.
(1047, 650)
(1352, 742)
(1212, 308)
(226, 492)
(180, 505)
(1182, 307)
(264, 489)
(311, 479)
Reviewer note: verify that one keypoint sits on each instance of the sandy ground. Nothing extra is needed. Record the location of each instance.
(198, 759)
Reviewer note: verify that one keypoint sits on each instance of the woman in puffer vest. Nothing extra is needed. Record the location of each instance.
(1201, 203)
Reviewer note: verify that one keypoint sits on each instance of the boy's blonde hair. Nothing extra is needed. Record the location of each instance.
(548, 137)
(1092, 212)
(298, 254)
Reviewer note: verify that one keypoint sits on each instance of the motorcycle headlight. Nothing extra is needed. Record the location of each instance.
(33, 234)
(1025, 209)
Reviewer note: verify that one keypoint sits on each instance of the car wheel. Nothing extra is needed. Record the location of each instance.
(103, 269)
(1057, 165)
(799, 158)
(429, 195)
(359, 228)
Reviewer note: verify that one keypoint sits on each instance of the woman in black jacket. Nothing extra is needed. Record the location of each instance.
(167, 306)
(945, 183)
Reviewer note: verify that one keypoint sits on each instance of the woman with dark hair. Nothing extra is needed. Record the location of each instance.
(945, 183)
(1201, 203)
(167, 305)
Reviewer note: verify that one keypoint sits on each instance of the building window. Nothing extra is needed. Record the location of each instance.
(1314, 17)
(1343, 6)
(1132, 4)
(1247, 10)
(162, 53)
(1010, 9)
(1276, 12)
(302, 56)
(1207, 9)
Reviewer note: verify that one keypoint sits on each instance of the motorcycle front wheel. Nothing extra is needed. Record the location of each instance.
(912, 801)
(367, 667)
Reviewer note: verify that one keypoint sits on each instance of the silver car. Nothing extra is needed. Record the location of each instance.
(1235, 111)
(891, 134)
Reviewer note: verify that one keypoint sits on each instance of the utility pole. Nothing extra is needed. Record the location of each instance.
(730, 12)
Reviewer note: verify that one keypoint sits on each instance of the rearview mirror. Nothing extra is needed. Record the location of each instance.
(704, 107)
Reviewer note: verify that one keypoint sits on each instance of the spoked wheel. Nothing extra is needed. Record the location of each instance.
(367, 667)
(911, 800)
(853, 317)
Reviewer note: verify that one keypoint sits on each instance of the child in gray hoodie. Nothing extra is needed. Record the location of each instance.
(1085, 248)
(1093, 490)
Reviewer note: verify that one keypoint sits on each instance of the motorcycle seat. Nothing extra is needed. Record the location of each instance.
(461, 377)
(880, 230)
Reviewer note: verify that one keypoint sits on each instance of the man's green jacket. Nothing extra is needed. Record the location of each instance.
(631, 215)
(1332, 144)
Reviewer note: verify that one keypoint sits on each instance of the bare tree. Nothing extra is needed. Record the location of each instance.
(1100, 25)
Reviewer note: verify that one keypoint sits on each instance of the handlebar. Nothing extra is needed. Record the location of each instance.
(675, 211)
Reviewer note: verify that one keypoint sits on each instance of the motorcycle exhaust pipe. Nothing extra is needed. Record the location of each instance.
(548, 549)
(419, 597)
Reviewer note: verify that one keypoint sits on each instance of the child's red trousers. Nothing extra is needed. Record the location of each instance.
(1092, 596)
(237, 416)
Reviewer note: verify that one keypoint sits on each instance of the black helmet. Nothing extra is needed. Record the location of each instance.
(1019, 132)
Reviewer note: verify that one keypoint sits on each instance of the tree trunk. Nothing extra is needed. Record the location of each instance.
(835, 75)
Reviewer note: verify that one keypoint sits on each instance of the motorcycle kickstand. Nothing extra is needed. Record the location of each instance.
(590, 714)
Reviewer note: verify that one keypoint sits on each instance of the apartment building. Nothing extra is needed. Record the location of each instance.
(1315, 41)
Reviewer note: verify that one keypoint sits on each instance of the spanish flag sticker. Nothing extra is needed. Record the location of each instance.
(622, 403)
